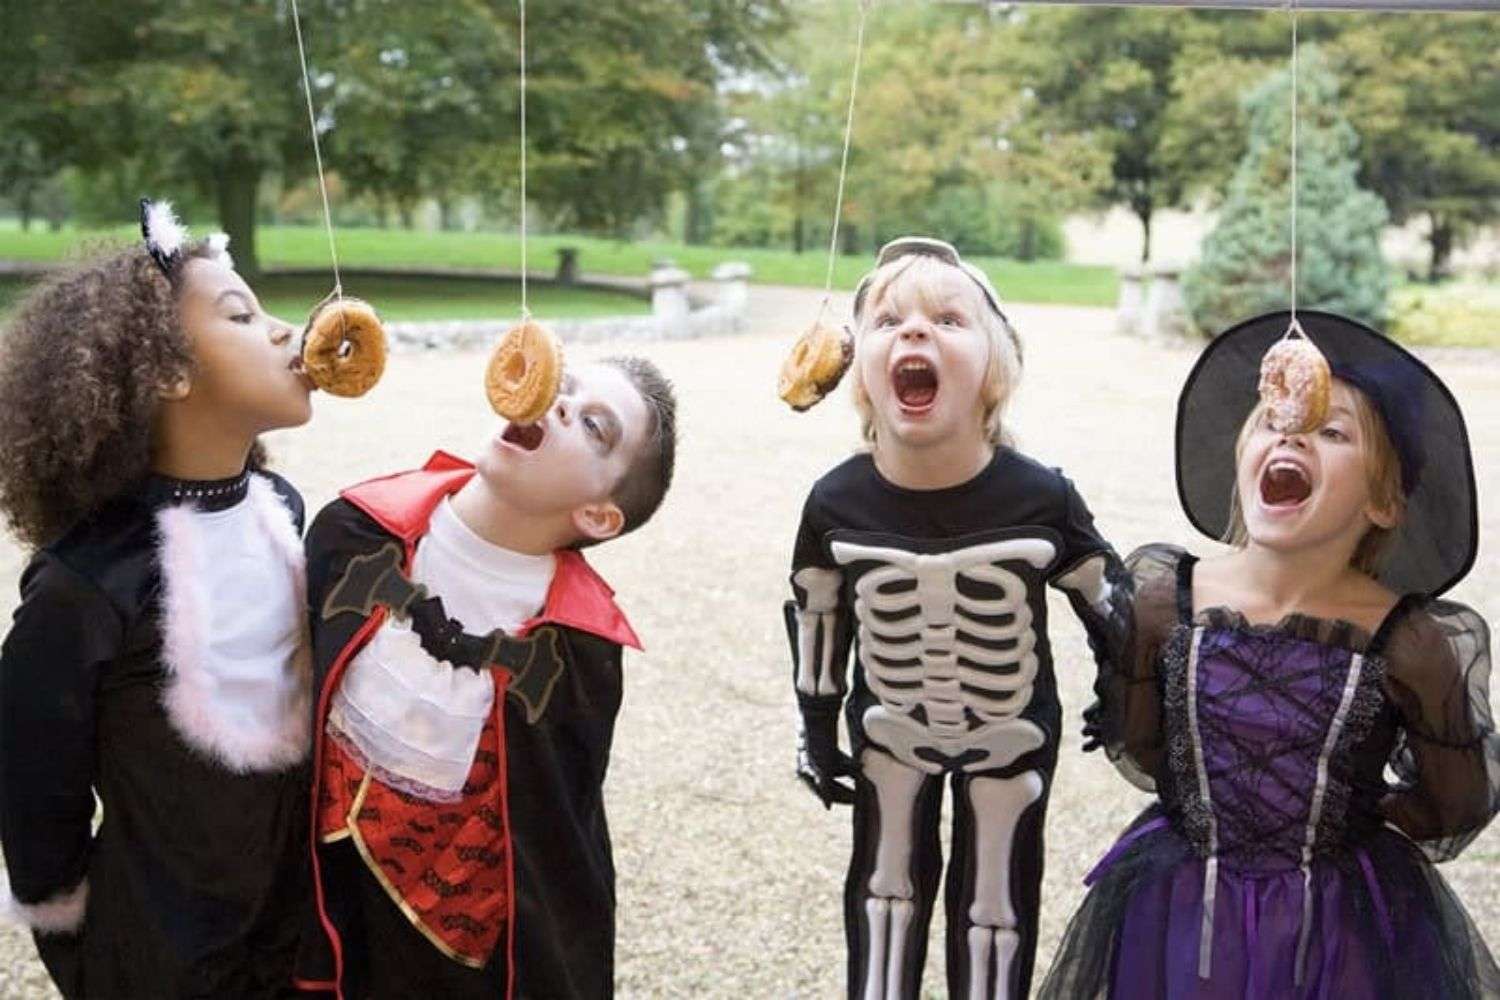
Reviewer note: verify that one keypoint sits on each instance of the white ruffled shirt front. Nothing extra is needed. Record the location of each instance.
(415, 721)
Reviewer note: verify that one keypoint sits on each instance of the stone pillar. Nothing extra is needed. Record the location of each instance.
(1132, 300)
(733, 278)
(1166, 310)
(669, 299)
(567, 265)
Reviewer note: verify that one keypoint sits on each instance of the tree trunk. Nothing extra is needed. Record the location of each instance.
(1144, 213)
(237, 191)
(24, 207)
(695, 221)
(1441, 240)
(445, 214)
(799, 232)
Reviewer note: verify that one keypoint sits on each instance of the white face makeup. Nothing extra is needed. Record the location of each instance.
(1303, 490)
(922, 358)
(575, 456)
(247, 369)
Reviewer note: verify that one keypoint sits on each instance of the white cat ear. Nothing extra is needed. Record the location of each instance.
(164, 235)
(218, 248)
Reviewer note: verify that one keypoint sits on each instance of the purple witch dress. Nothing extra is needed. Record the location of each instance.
(1308, 774)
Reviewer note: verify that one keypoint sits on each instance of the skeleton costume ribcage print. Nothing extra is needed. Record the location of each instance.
(939, 600)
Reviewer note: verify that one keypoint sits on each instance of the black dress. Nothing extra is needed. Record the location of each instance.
(137, 670)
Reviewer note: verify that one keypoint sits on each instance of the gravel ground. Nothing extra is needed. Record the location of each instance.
(730, 874)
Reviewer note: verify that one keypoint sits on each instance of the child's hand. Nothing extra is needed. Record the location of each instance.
(820, 762)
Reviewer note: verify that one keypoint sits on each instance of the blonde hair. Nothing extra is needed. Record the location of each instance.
(1382, 478)
(1003, 372)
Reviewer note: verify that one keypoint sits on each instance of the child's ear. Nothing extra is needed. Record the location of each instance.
(176, 390)
(1385, 517)
(599, 522)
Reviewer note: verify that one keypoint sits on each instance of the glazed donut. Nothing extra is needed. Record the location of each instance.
(1295, 385)
(343, 347)
(524, 373)
(813, 369)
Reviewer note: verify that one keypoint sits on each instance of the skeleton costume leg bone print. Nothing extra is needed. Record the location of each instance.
(953, 678)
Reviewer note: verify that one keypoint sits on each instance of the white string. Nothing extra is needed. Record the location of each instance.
(1294, 324)
(525, 308)
(312, 122)
(838, 204)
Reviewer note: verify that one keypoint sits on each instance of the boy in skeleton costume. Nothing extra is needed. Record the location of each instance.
(929, 558)
(469, 664)
(159, 657)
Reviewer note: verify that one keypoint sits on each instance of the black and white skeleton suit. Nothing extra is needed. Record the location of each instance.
(940, 596)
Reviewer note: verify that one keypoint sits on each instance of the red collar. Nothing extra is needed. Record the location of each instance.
(403, 504)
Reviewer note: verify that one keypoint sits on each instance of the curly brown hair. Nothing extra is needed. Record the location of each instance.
(81, 365)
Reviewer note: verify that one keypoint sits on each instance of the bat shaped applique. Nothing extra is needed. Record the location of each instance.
(535, 663)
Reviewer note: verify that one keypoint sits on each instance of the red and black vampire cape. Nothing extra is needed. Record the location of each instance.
(521, 863)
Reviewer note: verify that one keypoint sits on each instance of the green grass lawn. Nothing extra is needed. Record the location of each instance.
(401, 298)
(306, 246)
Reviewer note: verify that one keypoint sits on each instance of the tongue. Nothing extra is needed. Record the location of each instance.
(917, 388)
(1284, 487)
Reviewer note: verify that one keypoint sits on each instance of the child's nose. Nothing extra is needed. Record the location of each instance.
(281, 333)
(914, 329)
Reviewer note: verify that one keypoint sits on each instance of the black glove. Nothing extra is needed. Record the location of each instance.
(820, 762)
(1093, 727)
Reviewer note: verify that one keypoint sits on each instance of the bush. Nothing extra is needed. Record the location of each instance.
(1244, 268)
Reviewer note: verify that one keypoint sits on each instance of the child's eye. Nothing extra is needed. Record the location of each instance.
(950, 319)
(1334, 434)
(886, 320)
(243, 318)
(591, 425)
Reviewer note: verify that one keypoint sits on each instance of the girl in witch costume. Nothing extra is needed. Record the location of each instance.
(159, 655)
(930, 556)
(1313, 717)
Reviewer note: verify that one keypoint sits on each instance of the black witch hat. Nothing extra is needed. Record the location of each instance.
(1438, 538)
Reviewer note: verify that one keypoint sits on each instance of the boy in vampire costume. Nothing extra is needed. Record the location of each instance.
(468, 664)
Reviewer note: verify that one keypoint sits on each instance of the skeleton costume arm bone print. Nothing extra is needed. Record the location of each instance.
(818, 629)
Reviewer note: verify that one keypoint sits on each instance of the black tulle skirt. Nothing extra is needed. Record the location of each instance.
(1373, 921)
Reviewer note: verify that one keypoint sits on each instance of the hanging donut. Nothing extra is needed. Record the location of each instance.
(1295, 384)
(815, 366)
(524, 373)
(343, 347)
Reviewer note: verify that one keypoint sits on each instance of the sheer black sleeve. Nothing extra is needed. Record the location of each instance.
(64, 632)
(1447, 757)
(1128, 687)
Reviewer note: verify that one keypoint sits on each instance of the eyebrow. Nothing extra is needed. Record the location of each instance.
(249, 302)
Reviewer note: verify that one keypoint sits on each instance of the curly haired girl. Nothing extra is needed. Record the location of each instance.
(158, 659)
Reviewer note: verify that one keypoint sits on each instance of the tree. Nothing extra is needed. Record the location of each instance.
(1108, 75)
(1245, 266)
(1424, 94)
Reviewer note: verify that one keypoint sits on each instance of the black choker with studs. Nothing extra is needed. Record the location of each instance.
(202, 494)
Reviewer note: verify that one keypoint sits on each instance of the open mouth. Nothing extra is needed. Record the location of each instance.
(915, 382)
(1285, 485)
(299, 369)
(527, 437)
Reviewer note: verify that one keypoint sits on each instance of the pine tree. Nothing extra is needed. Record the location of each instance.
(1245, 266)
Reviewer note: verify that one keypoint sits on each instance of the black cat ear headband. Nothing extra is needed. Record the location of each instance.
(167, 238)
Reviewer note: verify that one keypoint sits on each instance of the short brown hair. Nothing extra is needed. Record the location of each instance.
(1382, 477)
(644, 485)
